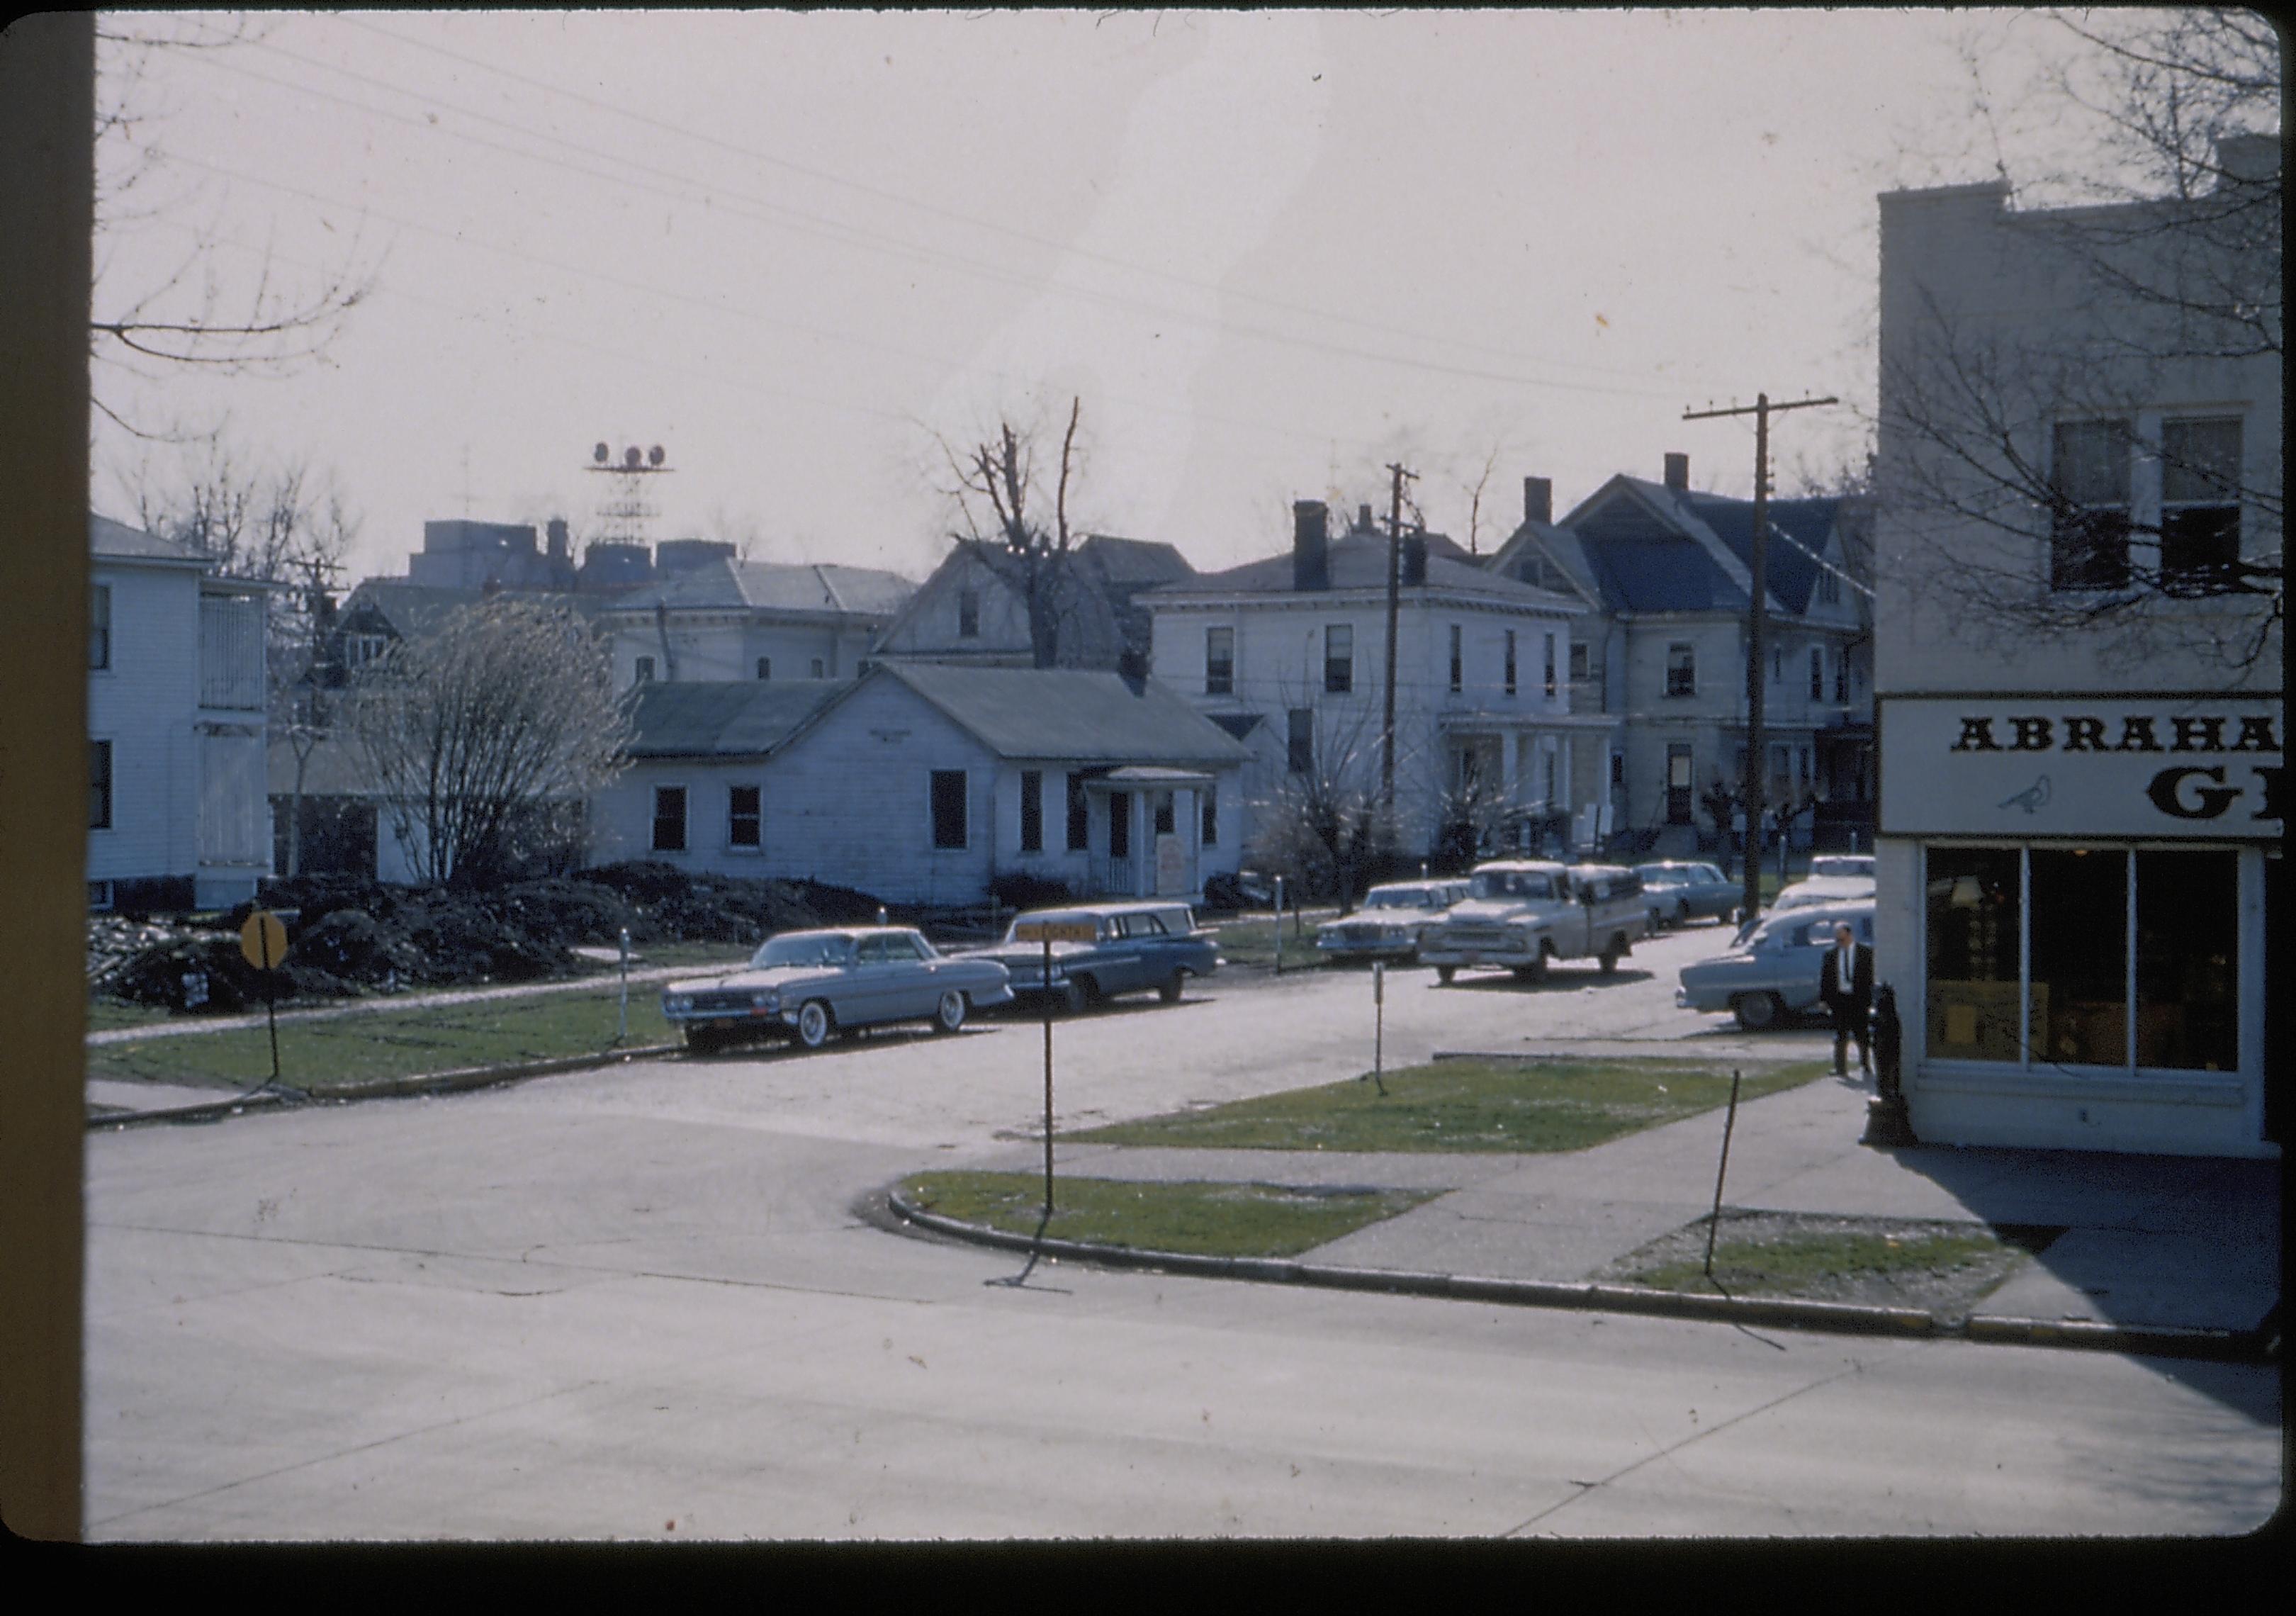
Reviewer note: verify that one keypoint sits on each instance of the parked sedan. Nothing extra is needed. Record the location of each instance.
(1388, 924)
(1135, 948)
(1683, 892)
(805, 985)
(1769, 977)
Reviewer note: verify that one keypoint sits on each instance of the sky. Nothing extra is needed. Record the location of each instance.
(1265, 253)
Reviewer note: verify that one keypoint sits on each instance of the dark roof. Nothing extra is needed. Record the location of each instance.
(1358, 561)
(1236, 724)
(117, 540)
(723, 584)
(1790, 569)
(410, 610)
(1666, 573)
(746, 718)
(1125, 564)
(1087, 715)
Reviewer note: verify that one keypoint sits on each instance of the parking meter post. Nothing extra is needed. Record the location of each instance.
(622, 1021)
(1714, 1222)
(1047, 996)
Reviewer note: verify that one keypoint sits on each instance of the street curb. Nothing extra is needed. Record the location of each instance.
(458, 1081)
(2237, 1346)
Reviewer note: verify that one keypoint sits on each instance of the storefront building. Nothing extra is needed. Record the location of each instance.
(2084, 961)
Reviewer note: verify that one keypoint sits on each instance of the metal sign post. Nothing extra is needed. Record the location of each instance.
(1279, 925)
(1715, 1221)
(1378, 1023)
(263, 939)
(622, 1024)
(1048, 932)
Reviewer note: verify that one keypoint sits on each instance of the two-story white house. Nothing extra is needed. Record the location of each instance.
(2078, 665)
(1666, 575)
(176, 721)
(723, 619)
(1291, 652)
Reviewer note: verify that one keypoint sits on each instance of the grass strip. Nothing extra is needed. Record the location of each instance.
(1806, 1264)
(1201, 1220)
(1252, 942)
(382, 1045)
(1462, 1106)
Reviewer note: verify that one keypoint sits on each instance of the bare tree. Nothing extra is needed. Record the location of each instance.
(145, 323)
(1000, 475)
(1320, 824)
(487, 737)
(2020, 524)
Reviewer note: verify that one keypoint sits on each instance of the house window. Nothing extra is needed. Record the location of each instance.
(948, 808)
(1829, 587)
(2200, 504)
(819, 670)
(1578, 665)
(2134, 958)
(1817, 673)
(1301, 749)
(100, 896)
(669, 819)
(1459, 662)
(1220, 661)
(362, 650)
(643, 674)
(968, 614)
(99, 786)
(1550, 664)
(1211, 801)
(1032, 810)
(99, 625)
(744, 817)
(1841, 678)
(2088, 529)
(1339, 659)
(1777, 664)
(764, 667)
(1079, 816)
(1681, 669)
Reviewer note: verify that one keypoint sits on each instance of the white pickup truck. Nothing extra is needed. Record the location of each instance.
(1519, 914)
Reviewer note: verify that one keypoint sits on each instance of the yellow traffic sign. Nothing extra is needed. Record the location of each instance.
(1053, 932)
(263, 939)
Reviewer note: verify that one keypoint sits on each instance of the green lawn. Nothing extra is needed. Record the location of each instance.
(1252, 942)
(1815, 1264)
(1462, 1106)
(105, 1014)
(1206, 1220)
(380, 1044)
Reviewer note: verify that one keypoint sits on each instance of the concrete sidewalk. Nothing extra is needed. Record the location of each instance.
(2158, 1253)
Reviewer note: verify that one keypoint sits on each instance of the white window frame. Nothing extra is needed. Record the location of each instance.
(745, 848)
(684, 816)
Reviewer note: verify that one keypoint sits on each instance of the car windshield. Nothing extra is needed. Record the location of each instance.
(805, 949)
(1512, 884)
(1842, 864)
(1405, 897)
(1659, 875)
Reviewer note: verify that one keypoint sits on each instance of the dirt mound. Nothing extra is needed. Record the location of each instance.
(347, 937)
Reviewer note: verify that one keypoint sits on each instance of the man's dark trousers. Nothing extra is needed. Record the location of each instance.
(1852, 1010)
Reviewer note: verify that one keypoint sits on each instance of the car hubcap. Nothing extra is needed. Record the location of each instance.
(952, 1011)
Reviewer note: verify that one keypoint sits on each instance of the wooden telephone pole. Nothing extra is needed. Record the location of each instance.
(1757, 621)
(1397, 477)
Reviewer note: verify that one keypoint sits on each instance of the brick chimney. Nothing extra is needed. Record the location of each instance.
(1415, 558)
(1538, 500)
(1363, 519)
(1311, 561)
(1677, 473)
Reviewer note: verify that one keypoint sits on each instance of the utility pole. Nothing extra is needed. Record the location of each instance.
(1397, 476)
(1757, 621)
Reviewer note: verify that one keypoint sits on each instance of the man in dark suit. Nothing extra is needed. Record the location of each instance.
(1845, 982)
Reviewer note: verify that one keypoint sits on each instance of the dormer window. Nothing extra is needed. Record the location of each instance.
(968, 614)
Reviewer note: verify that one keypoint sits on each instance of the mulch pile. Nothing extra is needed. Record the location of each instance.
(348, 938)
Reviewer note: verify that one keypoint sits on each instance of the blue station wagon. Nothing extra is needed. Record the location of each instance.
(1136, 948)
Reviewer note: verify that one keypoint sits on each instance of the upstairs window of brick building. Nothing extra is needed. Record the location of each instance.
(2199, 504)
(2089, 528)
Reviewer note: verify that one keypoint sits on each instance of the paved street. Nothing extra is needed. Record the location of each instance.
(650, 1301)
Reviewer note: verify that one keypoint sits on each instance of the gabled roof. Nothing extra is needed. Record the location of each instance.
(1790, 569)
(1092, 601)
(748, 718)
(1125, 564)
(1358, 562)
(117, 541)
(1085, 715)
(722, 584)
(412, 610)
